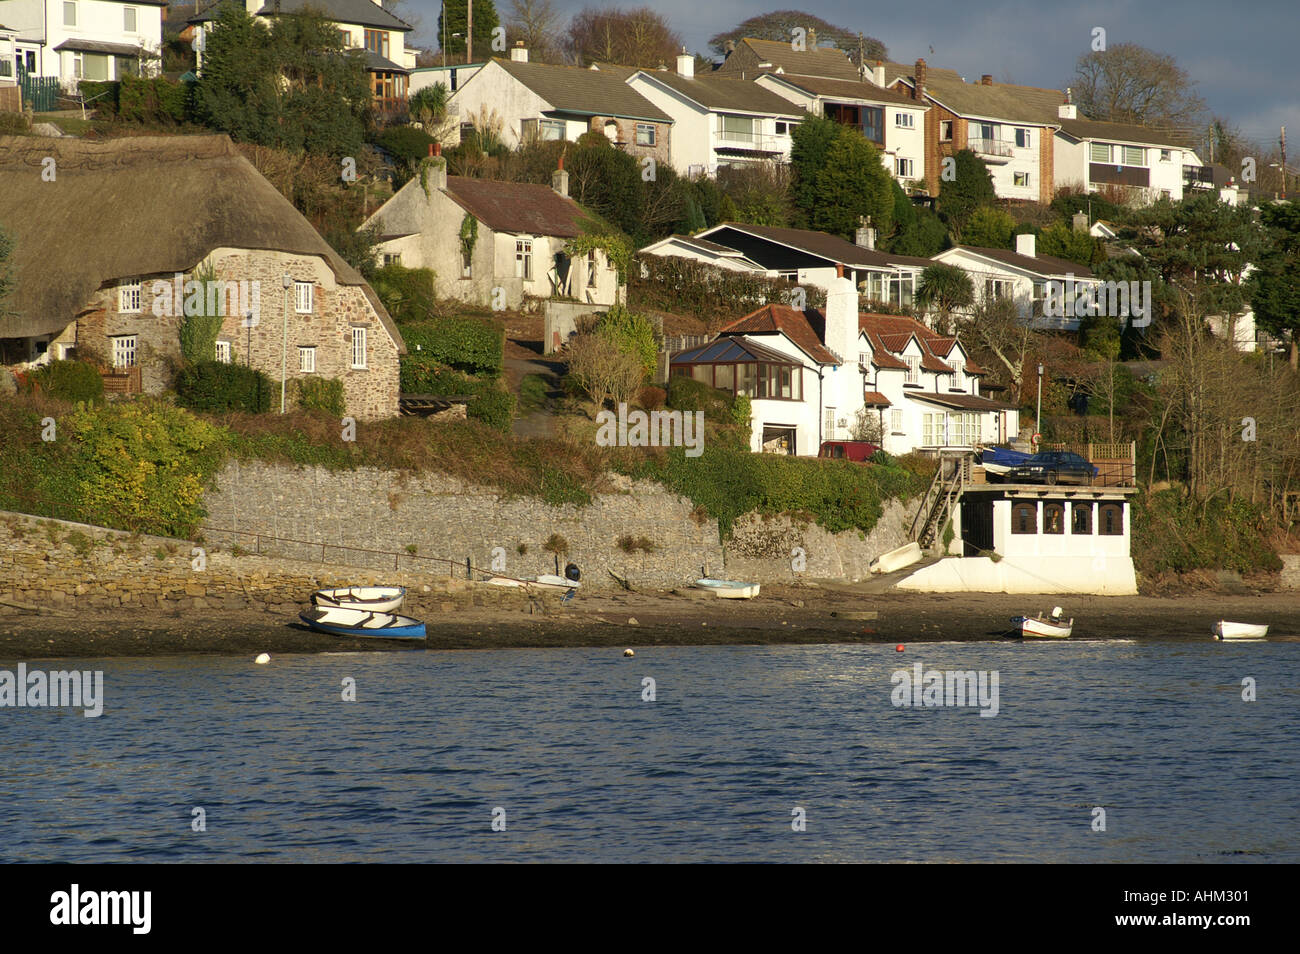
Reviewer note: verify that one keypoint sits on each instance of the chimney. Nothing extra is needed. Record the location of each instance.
(812, 39)
(685, 65)
(1080, 222)
(842, 318)
(1025, 244)
(1067, 111)
(878, 74)
(865, 237)
(560, 180)
(728, 48)
(519, 52)
(918, 80)
(986, 79)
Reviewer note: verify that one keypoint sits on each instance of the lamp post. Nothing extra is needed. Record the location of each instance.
(287, 282)
(1038, 421)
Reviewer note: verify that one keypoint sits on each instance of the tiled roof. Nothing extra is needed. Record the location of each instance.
(571, 89)
(803, 328)
(819, 61)
(360, 12)
(1039, 264)
(850, 89)
(1121, 132)
(893, 332)
(875, 399)
(721, 93)
(379, 64)
(998, 101)
(897, 71)
(518, 207)
(965, 402)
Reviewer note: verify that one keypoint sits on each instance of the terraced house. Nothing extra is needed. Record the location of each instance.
(83, 39)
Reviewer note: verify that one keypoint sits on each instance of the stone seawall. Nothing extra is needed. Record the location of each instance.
(1289, 578)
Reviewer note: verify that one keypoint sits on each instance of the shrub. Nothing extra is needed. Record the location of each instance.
(598, 366)
(696, 288)
(422, 374)
(320, 394)
(212, 386)
(152, 100)
(104, 95)
(472, 345)
(407, 293)
(652, 398)
(632, 333)
(69, 381)
(687, 394)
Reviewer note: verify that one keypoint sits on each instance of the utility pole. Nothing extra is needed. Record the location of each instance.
(1282, 142)
(469, 32)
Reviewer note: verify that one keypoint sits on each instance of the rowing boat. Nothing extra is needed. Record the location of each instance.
(1225, 630)
(729, 589)
(379, 599)
(341, 621)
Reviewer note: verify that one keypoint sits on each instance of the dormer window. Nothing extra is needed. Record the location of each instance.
(913, 369)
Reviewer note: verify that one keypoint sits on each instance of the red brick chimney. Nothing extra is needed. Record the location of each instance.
(918, 77)
(986, 80)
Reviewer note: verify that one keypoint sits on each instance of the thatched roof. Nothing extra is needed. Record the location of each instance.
(135, 207)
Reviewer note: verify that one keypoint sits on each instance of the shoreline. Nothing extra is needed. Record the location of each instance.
(781, 615)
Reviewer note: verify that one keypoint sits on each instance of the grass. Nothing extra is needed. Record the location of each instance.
(532, 393)
(72, 125)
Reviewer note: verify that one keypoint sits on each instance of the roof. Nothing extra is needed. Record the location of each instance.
(823, 244)
(817, 61)
(804, 329)
(890, 334)
(571, 89)
(731, 350)
(518, 207)
(719, 93)
(965, 402)
(1000, 101)
(875, 399)
(197, 193)
(378, 63)
(99, 46)
(849, 89)
(1118, 132)
(361, 12)
(897, 71)
(1039, 264)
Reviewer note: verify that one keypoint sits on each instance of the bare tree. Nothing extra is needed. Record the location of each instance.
(603, 369)
(1127, 83)
(536, 23)
(638, 37)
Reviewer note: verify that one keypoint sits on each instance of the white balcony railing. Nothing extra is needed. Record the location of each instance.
(757, 142)
(991, 147)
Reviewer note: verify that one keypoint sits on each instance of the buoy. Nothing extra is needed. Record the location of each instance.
(263, 659)
(628, 652)
(898, 648)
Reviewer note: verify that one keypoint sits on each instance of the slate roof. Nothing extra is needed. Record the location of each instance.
(823, 244)
(721, 94)
(518, 207)
(1039, 264)
(99, 46)
(1120, 132)
(820, 61)
(999, 101)
(850, 89)
(804, 328)
(964, 402)
(360, 12)
(377, 63)
(897, 71)
(587, 92)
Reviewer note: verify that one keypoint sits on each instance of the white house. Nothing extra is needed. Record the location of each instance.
(85, 39)
(814, 376)
(895, 123)
(718, 121)
(1137, 162)
(708, 253)
(452, 75)
(1023, 277)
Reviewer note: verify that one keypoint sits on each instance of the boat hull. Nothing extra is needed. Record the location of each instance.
(377, 599)
(1226, 630)
(366, 624)
(1032, 627)
(729, 589)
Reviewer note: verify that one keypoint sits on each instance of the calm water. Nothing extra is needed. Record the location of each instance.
(1155, 732)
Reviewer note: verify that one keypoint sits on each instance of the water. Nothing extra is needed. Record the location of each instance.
(738, 737)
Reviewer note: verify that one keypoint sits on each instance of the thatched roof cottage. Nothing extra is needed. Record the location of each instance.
(108, 234)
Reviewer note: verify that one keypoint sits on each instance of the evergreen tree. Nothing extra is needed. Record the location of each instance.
(852, 185)
(455, 14)
(970, 187)
(1274, 288)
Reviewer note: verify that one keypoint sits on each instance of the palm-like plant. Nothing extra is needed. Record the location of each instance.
(945, 288)
(428, 107)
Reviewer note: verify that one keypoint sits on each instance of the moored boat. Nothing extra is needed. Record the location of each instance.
(1045, 627)
(999, 460)
(1226, 630)
(379, 599)
(342, 621)
(729, 589)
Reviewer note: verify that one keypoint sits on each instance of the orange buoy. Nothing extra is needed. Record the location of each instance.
(898, 648)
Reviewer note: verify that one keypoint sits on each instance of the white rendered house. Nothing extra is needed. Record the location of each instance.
(1144, 164)
(85, 39)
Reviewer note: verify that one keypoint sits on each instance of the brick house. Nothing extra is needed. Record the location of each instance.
(113, 288)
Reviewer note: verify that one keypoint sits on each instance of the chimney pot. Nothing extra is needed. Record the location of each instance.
(918, 80)
(1025, 244)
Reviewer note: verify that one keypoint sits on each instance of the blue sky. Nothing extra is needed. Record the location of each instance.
(1242, 55)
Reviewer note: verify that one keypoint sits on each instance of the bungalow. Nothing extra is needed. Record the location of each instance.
(1023, 276)
(709, 253)
(115, 292)
(719, 121)
(541, 101)
(85, 39)
(451, 75)
(814, 376)
(494, 243)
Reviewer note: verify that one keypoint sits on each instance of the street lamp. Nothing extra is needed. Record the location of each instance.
(1038, 421)
(287, 282)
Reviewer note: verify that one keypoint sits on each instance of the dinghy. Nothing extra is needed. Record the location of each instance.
(999, 460)
(340, 621)
(729, 589)
(379, 599)
(1225, 630)
(1045, 627)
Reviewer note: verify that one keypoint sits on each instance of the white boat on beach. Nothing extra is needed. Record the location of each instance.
(1045, 627)
(1225, 630)
(729, 589)
(547, 582)
(375, 599)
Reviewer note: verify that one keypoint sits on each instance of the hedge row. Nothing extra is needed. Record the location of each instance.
(472, 345)
(683, 286)
(216, 387)
(423, 374)
(68, 381)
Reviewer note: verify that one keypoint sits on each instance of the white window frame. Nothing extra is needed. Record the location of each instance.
(223, 353)
(896, 420)
(524, 259)
(649, 138)
(904, 120)
(593, 267)
(958, 368)
(358, 348)
(913, 369)
(828, 423)
(1166, 155)
(551, 130)
(70, 5)
(1134, 155)
(130, 20)
(125, 351)
(904, 168)
(1023, 133)
(1099, 152)
(128, 298)
(1017, 177)
(307, 358)
(945, 130)
(304, 297)
(466, 263)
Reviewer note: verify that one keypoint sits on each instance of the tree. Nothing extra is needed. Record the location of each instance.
(453, 21)
(917, 230)
(970, 187)
(808, 145)
(638, 37)
(778, 25)
(946, 288)
(1127, 83)
(839, 179)
(989, 228)
(428, 107)
(536, 23)
(1274, 288)
(994, 326)
(1061, 240)
(759, 192)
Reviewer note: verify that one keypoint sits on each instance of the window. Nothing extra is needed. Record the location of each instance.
(1024, 517)
(1134, 155)
(736, 127)
(896, 420)
(1111, 520)
(1023, 140)
(957, 369)
(903, 168)
(913, 369)
(124, 351)
(1053, 518)
(645, 134)
(1022, 179)
(997, 288)
(945, 130)
(591, 268)
(904, 120)
(307, 356)
(69, 14)
(466, 266)
(1166, 155)
(128, 19)
(128, 298)
(377, 42)
(1081, 518)
(1038, 294)
(524, 259)
(873, 123)
(302, 297)
(551, 130)
(392, 258)
(931, 429)
(223, 352)
(828, 428)
(1099, 152)
(359, 348)
(782, 128)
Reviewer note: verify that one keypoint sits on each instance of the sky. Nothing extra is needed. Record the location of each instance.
(1242, 55)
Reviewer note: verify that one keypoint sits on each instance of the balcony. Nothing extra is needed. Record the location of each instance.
(1198, 177)
(995, 150)
(1102, 174)
(731, 140)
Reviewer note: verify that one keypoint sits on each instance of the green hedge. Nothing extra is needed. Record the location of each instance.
(422, 374)
(1172, 532)
(107, 103)
(153, 100)
(214, 387)
(687, 287)
(407, 293)
(472, 345)
(320, 394)
(69, 381)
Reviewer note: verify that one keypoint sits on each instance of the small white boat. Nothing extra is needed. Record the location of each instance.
(1045, 627)
(1225, 630)
(547, 581)
(729, 589)
(343, 621)
(375, 599)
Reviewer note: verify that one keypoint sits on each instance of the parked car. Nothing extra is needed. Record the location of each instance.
(858, 451)
(1052, 467)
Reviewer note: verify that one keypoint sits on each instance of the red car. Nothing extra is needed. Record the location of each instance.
(857, 451)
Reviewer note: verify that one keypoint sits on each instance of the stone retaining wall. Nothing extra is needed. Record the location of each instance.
(1289, 578)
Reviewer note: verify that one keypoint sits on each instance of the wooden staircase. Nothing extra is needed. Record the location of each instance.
(935, 513)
